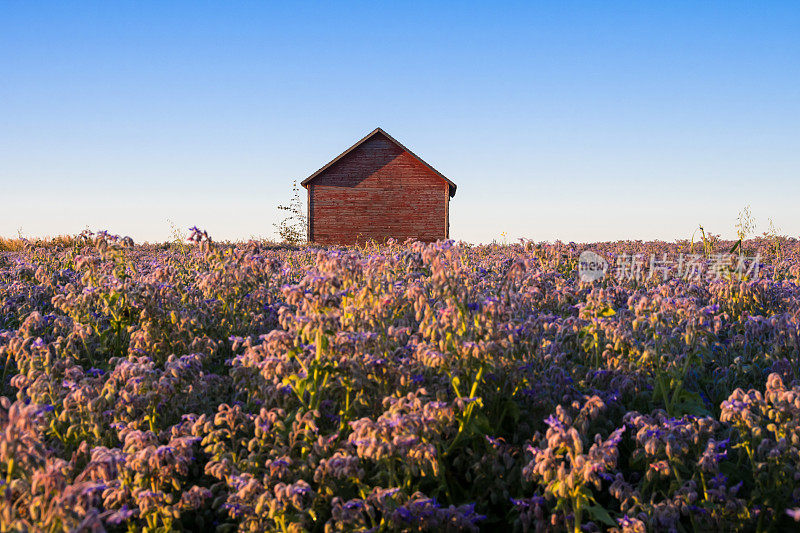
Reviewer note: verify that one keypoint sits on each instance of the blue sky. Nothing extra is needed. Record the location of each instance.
(562, 120)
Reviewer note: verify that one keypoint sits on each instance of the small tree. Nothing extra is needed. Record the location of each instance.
(293, 228)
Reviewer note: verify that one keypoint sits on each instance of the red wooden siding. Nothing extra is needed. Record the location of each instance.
(376, 191)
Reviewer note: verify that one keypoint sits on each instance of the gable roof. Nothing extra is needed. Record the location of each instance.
(374, 132)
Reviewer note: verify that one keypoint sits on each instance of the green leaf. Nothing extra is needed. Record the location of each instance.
(598, 512)
(512, 409)
(691, 403)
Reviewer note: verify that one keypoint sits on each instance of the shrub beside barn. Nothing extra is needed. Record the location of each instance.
(375, 190)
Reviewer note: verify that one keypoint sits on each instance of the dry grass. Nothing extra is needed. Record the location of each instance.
(15, 245)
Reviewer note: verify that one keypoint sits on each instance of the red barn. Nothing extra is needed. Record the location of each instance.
(378, 189)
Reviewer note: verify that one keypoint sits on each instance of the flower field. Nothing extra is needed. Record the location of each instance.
(404, 387)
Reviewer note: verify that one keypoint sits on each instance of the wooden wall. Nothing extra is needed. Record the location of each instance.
(377, 191)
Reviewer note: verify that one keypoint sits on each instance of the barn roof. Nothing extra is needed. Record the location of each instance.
(374, 132)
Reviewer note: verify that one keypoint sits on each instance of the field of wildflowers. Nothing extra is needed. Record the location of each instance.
(403, 387)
